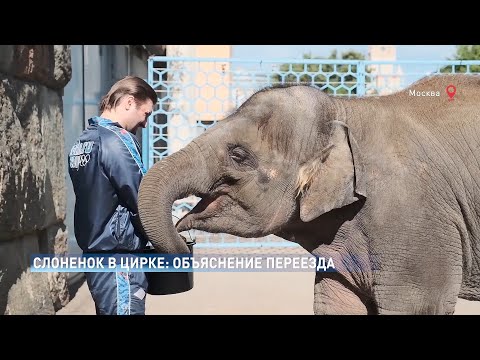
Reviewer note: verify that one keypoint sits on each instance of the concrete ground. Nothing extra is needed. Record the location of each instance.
(235, 293)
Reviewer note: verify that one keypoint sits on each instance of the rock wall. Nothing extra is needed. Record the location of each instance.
(32, 175)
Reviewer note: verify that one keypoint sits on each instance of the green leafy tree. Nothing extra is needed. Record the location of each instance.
(464, 52)
(331, 78)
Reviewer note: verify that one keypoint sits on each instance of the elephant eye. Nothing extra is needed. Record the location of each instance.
(238, 155)
(241, 156)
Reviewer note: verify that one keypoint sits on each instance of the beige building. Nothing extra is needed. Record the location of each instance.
(201, 91)
(384, 78)
(213, 81)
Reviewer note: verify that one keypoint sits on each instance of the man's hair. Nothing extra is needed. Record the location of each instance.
(129, 85)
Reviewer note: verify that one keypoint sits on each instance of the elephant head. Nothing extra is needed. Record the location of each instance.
(282, 157)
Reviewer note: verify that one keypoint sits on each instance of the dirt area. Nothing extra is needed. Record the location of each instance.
(223, 293)
(235, 293)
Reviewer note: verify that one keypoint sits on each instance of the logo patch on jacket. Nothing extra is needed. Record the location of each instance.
(80, 154)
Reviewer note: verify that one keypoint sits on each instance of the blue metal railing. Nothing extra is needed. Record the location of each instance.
(194, 93)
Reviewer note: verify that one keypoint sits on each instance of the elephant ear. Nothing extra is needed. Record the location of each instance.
(333, 179)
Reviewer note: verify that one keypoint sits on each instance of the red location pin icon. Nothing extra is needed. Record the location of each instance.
(451, 90)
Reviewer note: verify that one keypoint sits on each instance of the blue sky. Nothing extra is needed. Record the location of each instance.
(404, 52)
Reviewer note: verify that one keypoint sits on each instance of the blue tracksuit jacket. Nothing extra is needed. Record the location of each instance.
(106, 169)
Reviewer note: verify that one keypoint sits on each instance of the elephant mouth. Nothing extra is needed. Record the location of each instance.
(206, 208)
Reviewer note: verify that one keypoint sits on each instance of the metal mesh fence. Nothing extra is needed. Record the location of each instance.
(195, 93)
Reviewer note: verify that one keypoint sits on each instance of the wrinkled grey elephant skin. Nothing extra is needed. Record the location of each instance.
(386, 186)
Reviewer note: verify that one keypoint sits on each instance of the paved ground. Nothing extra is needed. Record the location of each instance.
(235, 293)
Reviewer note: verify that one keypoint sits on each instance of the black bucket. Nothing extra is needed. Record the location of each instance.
(166, 283)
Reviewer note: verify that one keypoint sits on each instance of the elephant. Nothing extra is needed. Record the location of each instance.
(387, 186)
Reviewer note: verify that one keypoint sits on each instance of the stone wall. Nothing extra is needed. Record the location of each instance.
(32, 175)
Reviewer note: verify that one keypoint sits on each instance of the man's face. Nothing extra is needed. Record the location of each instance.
(133, 114)
(139, 114)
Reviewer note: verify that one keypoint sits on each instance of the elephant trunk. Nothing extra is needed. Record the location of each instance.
(172, 178)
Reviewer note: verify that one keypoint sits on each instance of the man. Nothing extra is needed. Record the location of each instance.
(106, 169)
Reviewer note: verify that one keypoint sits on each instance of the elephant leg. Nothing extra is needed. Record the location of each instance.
(333, 297)
(416, 300)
